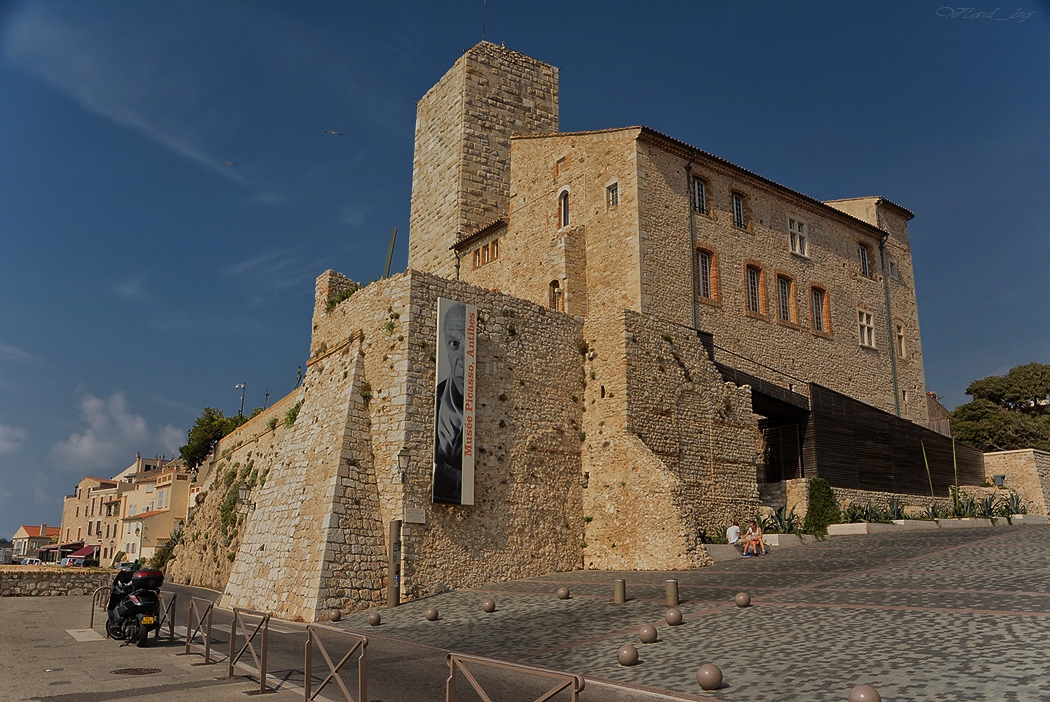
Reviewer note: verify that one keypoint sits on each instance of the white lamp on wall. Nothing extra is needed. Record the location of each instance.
(403, 457)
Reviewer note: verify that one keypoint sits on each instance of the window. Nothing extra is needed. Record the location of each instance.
(699, 196)
(904, 396)
(98, 528)
(555, 296)
(612, 195)
(785, 310)
(707, 276)
(563, 209)
(754, 289)
(895, 272)
(799, 245)
(898, 332)
(486, 253)
(819, 304)
(738, 211)
(865, 261)
(867, 329)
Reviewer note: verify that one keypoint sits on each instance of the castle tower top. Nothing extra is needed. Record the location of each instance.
(461, 166)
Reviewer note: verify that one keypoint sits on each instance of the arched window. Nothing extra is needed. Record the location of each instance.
(563, 209)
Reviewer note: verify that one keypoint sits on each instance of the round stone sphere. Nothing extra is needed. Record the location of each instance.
(335, 615)
(627, 655)
(673, 616)
(563, 593)
(864, 693)
(432, 614)
(375, 619)
(742, 599)
(709, 676)
(488, 606)
(647, 634)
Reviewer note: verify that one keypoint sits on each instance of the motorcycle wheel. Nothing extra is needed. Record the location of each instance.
(142, 636)
(114, 631)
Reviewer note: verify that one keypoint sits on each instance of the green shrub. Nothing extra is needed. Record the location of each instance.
(292, 414)
(272, 423)
(823, 509)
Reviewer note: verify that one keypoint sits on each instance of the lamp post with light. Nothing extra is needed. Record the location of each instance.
(240, 386)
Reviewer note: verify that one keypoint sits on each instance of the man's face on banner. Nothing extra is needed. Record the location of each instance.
(454, 330)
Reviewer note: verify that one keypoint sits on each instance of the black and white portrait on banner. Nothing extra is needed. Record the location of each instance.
(454, 401)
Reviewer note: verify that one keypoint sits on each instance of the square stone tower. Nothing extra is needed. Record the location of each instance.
(461, 167)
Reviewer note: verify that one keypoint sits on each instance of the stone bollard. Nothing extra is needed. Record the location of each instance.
(488, 606)
(673, 616)
(672, 593)
(627, 655)
(335, 615)
(432, 614)
(647, 634)
(742, 599)
(619, 591)
(374, 619)
(563, 593)
(864, 693)
(709, 676)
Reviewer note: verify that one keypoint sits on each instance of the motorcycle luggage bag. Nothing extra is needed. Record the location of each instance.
(151, 579)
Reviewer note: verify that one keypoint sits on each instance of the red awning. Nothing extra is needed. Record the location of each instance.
(85, 552)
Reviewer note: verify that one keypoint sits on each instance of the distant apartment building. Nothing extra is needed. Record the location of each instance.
(29, 538)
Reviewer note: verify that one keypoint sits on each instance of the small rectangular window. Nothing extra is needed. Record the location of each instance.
(699, 196)
(799, 245)
(754, 302)
(899, 333)
(612, 195)
(867, 329)
(563, 209)
(784, 298)
(904, 396)
(865, 261)
(703, 264)
(738, 211)
(818, 310)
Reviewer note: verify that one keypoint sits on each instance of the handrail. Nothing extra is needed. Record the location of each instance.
(99, 600)
(193, 629)
(264, 625)
(360, 642)
(458, 662)
(167, 614)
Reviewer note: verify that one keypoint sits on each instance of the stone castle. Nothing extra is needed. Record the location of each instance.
(666, 342)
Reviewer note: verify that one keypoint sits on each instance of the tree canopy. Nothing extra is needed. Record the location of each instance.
(206, 431)
(1007, 412)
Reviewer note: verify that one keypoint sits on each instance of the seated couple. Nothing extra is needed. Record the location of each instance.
(751, 542)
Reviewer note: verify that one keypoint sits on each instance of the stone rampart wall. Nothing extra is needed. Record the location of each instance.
(1027, 473)
(33, 581)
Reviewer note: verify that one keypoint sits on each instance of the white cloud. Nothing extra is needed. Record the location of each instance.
(11, 439)
(112, 437)
(132, 290)
(17, 355)
(274, 273)
(354, 216)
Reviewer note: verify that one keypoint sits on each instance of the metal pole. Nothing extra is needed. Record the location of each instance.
(308, 665)
(672, 593)
(262, 670)
(619, 591)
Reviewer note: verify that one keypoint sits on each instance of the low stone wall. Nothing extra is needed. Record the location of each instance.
(33, 581)
(1027, 472)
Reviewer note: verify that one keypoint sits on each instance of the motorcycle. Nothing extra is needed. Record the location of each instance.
(134, 605)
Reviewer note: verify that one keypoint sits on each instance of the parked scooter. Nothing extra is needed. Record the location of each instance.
(134, 605)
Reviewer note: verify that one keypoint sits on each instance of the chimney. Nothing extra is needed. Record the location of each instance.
(43, 529)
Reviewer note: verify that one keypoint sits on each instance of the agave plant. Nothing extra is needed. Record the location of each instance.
(986, 506)
(896, 509)
(783, 521)
(875, 513)
(853, 513)
(1012, 505)
(932, 512)
(963, 505)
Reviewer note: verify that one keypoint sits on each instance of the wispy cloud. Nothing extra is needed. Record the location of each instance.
(131, 78)
(352, 215)
(113, 433)
(273, 273)
(132, 290)
(11, 439)
(17, 355)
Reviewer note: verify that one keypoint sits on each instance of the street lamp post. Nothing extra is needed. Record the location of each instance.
(240, 386)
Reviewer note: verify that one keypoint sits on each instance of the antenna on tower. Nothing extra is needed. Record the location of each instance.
(484, 8)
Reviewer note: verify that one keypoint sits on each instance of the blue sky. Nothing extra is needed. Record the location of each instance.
(141, 279)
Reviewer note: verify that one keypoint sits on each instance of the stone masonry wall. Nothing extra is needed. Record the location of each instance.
(1027, 473)
(461, 167)
(29, 581)
(670, 447)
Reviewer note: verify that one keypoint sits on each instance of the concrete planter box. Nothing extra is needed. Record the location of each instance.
(965, 523)
(859, 528)
(915, 524)
(786, 540)
(722, 552)
(1028, 519)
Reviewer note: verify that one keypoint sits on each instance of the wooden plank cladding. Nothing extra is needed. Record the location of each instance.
(854, 445)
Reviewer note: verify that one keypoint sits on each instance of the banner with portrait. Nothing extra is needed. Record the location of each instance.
(454, 400)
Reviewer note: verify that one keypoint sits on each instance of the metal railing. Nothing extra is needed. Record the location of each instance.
(360, 643)
(99, 600)
(457, 662)
(249, 642)
(194, 620)
(167, 615)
